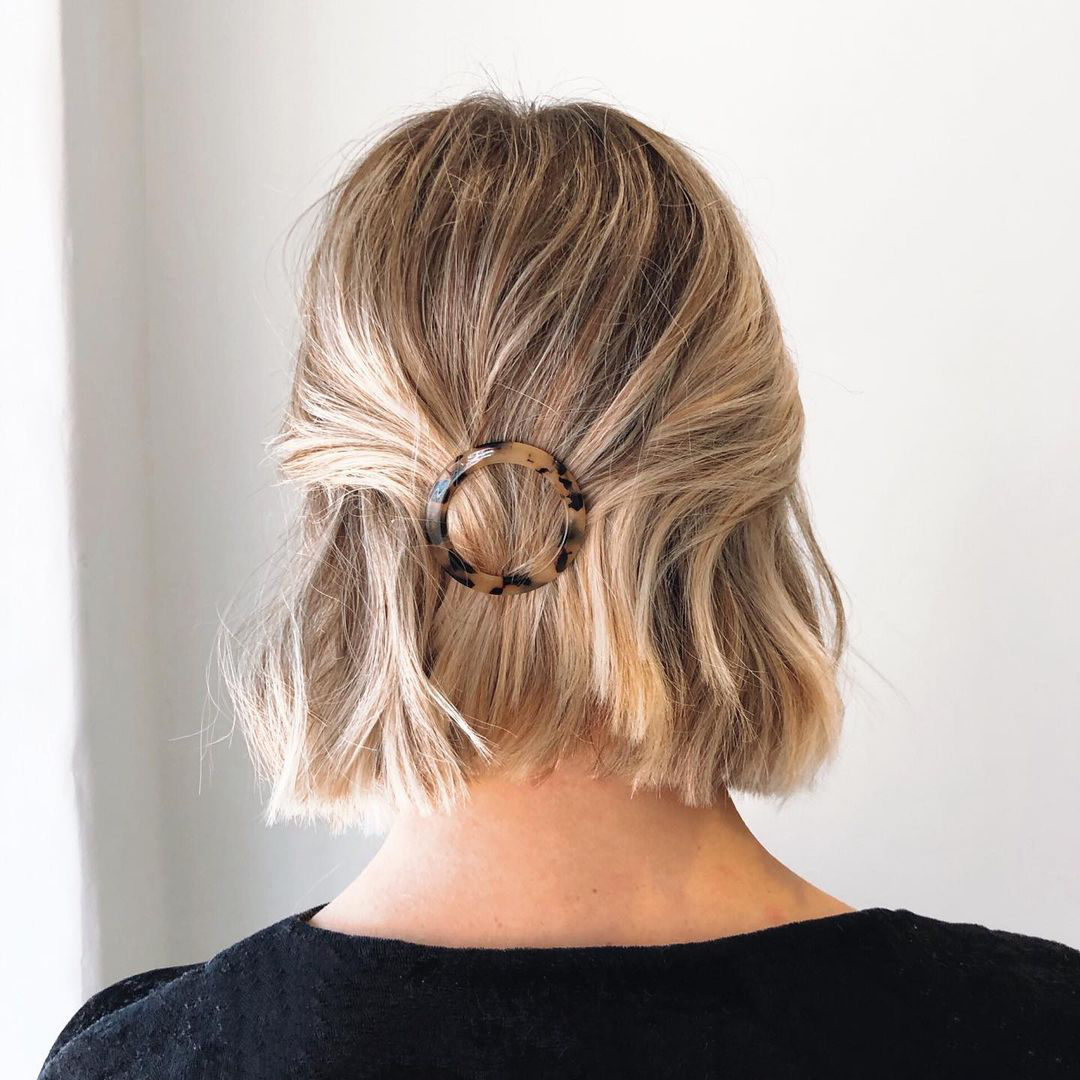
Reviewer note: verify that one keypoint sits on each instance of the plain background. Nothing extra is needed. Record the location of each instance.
(910, 176)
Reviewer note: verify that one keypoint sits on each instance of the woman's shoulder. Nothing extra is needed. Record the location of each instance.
(986, 959)
(1015, 997)
(974, 950)
(107, 1004)
(985, 942)
(150, 1023)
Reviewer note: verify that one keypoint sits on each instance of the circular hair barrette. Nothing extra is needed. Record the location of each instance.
(514, 453)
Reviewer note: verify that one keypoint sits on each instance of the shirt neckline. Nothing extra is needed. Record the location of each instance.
(393, 947)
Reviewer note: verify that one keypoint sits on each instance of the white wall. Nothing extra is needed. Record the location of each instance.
(121, 733)
(42, 901)
(909, 173)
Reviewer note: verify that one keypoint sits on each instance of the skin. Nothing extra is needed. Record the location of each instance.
(572, 861)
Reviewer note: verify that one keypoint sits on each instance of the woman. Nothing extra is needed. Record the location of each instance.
(558, 595)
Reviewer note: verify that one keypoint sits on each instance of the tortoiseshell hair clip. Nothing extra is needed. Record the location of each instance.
(515, 453)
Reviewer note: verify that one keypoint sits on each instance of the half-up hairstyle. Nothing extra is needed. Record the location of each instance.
(565, 276)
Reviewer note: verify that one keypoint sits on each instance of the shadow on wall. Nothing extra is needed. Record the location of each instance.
(177, 862)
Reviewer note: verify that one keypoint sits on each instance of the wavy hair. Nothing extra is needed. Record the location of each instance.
(563, 275)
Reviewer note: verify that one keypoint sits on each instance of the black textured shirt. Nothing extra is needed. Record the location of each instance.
(874, 993)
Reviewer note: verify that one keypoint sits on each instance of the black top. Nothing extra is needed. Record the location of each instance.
(873, 993)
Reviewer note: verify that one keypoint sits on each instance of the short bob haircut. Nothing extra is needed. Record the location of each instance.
(562, 275)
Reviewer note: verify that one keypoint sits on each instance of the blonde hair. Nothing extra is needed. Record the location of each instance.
(566, 276)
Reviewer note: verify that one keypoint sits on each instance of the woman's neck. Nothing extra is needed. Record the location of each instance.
(572, 861)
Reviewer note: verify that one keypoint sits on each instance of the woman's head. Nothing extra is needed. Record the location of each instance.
(564, 276)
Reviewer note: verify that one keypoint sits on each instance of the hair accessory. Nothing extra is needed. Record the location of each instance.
(515, 453)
